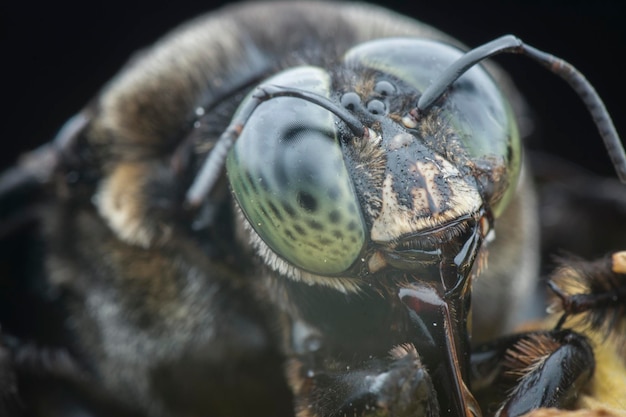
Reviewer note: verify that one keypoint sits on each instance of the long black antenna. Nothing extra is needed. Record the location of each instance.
(578, 82)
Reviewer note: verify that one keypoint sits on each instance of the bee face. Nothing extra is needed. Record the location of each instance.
(339, 238)
(322, 197)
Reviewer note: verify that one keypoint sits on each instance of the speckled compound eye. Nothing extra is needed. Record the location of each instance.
(288, 175)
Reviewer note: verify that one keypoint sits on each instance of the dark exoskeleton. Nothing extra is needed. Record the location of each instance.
(290, 209)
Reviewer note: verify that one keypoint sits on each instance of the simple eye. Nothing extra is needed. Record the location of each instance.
(376, 107)
(350, 101)
(288, 175)
(384, 88)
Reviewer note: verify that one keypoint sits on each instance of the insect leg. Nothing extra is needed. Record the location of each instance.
(55, 377)
(22, 186)
(533, 370)
(594, 292)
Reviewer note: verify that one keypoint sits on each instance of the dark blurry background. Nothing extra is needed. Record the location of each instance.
(54, 57)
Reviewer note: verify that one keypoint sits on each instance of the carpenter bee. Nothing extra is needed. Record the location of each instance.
(244, 222)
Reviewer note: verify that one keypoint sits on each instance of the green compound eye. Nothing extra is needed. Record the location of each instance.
(289, 178)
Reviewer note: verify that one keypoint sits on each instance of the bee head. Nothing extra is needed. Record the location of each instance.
(394, 164)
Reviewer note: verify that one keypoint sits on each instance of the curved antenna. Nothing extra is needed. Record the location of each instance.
(214, 163)
(578, 82)
(508, 43)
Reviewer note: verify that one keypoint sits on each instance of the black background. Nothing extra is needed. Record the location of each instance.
(56, 56)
